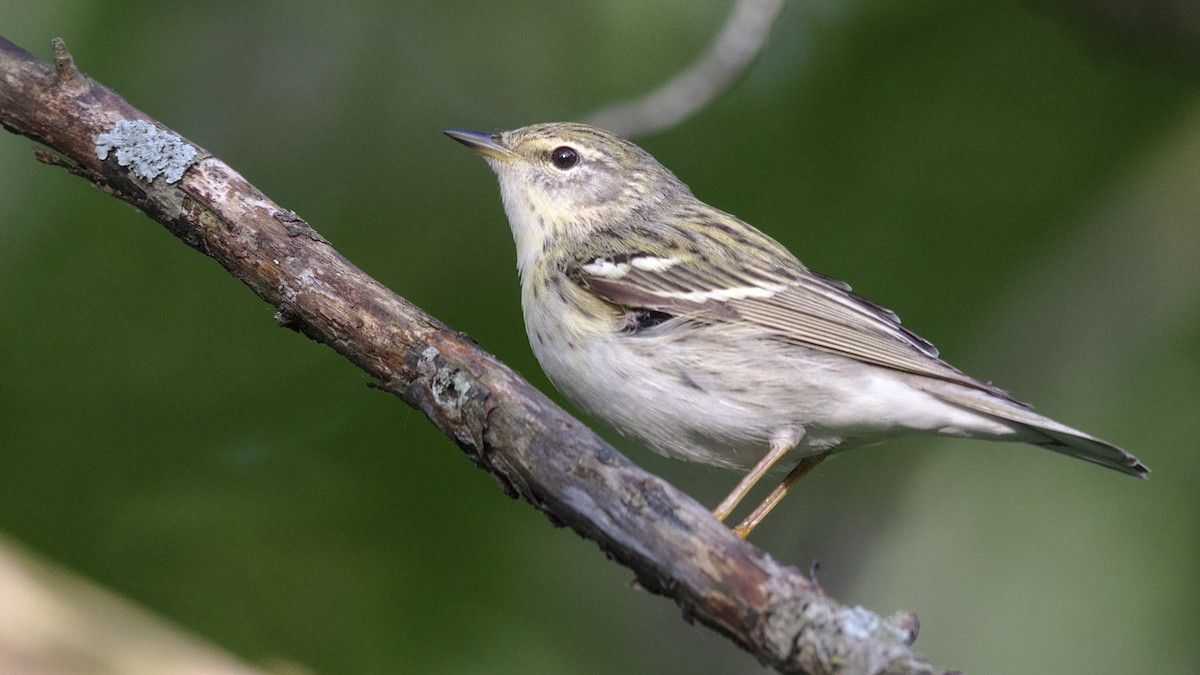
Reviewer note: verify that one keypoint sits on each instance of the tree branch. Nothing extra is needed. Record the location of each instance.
(533, 448)
(741, 38)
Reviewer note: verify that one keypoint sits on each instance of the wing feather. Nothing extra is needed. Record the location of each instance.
(768, 288)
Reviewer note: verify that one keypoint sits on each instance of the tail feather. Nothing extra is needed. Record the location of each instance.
(1094, 450)
(1045, 432)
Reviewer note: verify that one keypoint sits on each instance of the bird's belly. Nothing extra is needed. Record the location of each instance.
(667, 410)
(716, 396)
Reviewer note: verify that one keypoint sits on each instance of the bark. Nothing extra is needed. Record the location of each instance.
(535, 450)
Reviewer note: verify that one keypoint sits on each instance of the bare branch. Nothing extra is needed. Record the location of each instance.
(106, 633)
(508, 428)
(739, 41)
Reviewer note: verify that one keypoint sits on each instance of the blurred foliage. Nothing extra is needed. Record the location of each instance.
(1019, 192)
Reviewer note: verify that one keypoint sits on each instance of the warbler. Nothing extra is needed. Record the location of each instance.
(684, 327)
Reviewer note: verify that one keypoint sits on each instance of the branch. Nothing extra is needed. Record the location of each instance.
(742, 37)
(105, 633)
(534, 449)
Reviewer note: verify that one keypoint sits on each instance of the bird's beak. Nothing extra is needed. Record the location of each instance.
(486, 144)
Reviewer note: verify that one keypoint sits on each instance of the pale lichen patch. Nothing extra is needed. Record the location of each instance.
(147, 150)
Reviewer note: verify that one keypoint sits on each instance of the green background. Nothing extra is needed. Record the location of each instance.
(1017, 183)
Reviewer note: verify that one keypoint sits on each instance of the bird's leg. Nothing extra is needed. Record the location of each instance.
(743, 529)
(782, 441)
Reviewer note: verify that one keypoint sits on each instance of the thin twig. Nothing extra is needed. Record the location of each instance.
(742, 37)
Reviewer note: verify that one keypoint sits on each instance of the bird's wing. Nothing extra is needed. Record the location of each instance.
(681, 272)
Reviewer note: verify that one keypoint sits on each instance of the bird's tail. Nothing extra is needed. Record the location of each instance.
(1045, 432)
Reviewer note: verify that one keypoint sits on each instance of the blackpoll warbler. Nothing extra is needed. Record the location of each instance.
(687, 328)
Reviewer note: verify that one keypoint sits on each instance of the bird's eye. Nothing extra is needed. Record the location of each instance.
(564, 157)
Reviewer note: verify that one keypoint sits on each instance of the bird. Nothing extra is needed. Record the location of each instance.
(690, 330)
